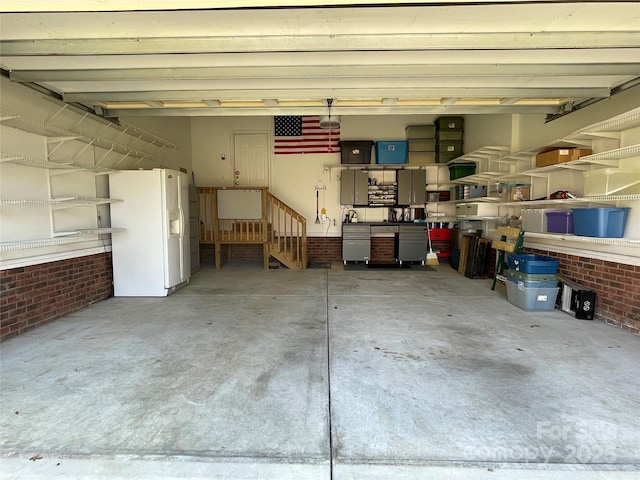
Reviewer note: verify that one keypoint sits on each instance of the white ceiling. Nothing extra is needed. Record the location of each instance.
(240, 58)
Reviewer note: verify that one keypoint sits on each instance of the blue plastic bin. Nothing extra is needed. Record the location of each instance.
(391, 152)
(532, 280)
(529, 263)
(607, 222)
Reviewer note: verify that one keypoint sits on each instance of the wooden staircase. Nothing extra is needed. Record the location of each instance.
(280, 229)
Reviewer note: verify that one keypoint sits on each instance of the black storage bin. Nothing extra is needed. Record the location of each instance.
(355, 151)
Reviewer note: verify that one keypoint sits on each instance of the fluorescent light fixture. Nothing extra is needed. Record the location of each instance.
(301, 103)
(124, 105)
(541, 101)
(357, 103)
(477, 101)
(418, 101)
(241, 103)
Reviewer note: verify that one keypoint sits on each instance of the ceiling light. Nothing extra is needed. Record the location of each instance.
(125, 105)
(301, 103)
(357, 103)
(241, 103)
(418, 101)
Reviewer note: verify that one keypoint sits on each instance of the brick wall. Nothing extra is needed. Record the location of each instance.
(239, 254)
(324, 249)
(382, 250)
(615, 284)
(34, 295)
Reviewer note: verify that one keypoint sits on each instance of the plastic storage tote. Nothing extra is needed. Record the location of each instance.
(529, 263)
(445, 135)
(532, 299)
(422, 144)
(532, 280)
(449, 123)
(449, 147)
(459, 170)
(392, 152)
(355, 151)
(534, 220)
(559, 222)
(609, 181)
(606, 222)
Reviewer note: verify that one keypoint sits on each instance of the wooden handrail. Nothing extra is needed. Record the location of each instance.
(280, 229)
(289, 230)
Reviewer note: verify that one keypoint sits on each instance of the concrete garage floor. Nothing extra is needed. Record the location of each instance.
(254, 374)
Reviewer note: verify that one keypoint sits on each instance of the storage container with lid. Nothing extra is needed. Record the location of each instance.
(530, 263)
(559, 222)
(391, 152)
(459, 170)
(603, 222)
(355, 151)
(532, 299)
(449, 123)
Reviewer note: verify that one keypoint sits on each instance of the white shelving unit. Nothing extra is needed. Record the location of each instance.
(54, 180)
(518, 167)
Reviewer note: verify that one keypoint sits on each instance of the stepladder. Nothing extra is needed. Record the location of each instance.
(510, 240)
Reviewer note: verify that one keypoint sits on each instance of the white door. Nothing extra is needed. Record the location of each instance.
(251, 165)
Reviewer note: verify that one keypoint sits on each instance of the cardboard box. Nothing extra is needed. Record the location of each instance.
(554, 156)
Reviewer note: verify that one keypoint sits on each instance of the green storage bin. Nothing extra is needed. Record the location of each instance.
(450, 147)
(459, 170)
(444, 135)
(449, 123)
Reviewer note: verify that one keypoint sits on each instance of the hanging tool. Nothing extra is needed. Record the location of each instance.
(432, 258)
(323, 212)
(317, 207)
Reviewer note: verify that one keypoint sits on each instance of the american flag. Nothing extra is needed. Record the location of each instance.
(295, 135)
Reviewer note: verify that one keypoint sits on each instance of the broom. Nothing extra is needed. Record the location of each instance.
(432, 258)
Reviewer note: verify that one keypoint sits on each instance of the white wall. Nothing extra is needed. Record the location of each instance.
(89, 142)
(294, 177)
(534, 131)
(176, 130)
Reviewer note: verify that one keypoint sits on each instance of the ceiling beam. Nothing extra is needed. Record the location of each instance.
(128, 5)
(345, 71)
(355, 93)
(360, 110)
(380, 59)
(319, 43)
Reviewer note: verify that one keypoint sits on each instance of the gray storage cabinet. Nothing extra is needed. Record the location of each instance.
(194, 228)
(354, 187)
(411, 187)
(356, 243)
(412, 243)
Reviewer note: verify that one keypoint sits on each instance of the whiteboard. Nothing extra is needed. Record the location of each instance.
(240, 204)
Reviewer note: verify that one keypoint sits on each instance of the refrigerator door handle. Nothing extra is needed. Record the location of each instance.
(182, 253)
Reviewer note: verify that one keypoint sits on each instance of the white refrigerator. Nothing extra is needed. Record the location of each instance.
(151, 257)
